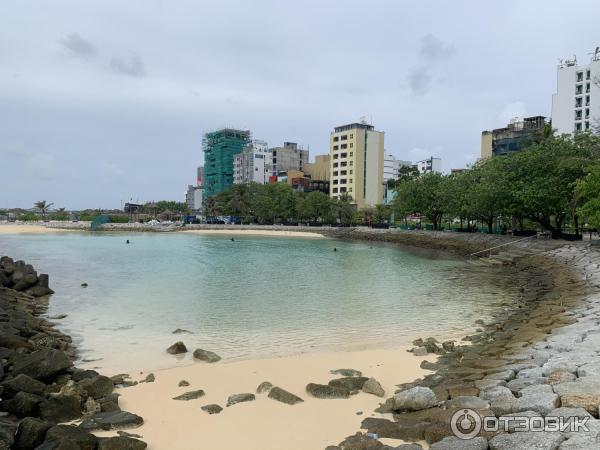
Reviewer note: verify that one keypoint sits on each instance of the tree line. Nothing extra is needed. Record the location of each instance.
(553, 184)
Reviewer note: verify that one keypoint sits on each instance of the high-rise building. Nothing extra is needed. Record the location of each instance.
(320, 169)
(576, 104)
(288, 157)
(391, 167)
(200, 176)
(220, 147)
(253, 163)
(513, 138)
(194, 198)
(429, 165)
(356, 152)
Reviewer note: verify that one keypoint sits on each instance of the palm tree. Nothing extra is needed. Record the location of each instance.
(43, 207)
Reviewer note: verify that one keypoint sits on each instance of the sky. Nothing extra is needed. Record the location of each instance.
(106, 101)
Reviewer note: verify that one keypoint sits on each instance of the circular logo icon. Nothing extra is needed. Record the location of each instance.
(465, 424)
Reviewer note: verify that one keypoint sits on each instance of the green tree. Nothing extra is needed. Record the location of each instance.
(588, 197)
(42, 206)
(426, 195)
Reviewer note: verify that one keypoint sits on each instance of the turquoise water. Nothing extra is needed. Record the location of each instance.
(253, 297)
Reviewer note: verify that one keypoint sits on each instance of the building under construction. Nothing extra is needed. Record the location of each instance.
(219, 149)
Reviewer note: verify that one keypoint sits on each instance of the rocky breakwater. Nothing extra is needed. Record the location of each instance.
(40, 389)
(540, 358)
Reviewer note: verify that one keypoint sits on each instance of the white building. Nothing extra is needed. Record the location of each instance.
(576, 104)
(430, 165)
(391, 167)
(253, 164)
(194, 198)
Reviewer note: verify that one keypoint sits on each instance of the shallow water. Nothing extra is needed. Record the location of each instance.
(252, 297)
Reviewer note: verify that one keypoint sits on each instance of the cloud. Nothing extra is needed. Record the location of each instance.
(512, 110)
(134, 67)
(419, 81)
(433, 47)
(78, 46)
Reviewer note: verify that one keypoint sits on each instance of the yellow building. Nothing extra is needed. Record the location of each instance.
(486, 144)
(320, 169)
(356, 152)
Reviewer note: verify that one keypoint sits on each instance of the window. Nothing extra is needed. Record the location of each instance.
(351, 136)
(578, 115)
(335, 181)
(587, 113)
(343, 155)
(343, 172)
(579, 89)
(344, 137)
(335, 173)
(351, 144)
(587, 100)
(335, 156)
(351, 153)
(336, 147)
(579, 76)
(351, 163)
(587, 125)
(578, 127)
(334, 190)
(578, 101)
(588, 74)
(349, 189)
(335, 164)
(350, 171)
(342, 190)
(343, 180)
(587, 88)
(343, 146)
(335, 139)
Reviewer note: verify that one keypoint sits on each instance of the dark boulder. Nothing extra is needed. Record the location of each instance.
(326, 391)
(206, 356)
(177, 348)
(120, 443)
(30, 434)
(191, 395)
(109, 403)
(8, 428)
(67, 433)
(61, 408)
(23, 404)
(79, 374)
(350, 383)
(283, 396)
(58, 445)
(42, 364)
(112, 420)
(99, 386)
(212, 409)
(23, 383)
(240, 398)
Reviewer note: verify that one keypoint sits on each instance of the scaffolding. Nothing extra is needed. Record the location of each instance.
(219, 148)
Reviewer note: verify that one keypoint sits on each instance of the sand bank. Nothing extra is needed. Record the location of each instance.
(262, 424)
(258, 232)
(20, 228)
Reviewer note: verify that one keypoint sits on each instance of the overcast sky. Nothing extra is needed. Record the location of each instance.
(103, 101)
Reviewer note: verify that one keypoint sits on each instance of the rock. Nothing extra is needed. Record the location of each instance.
(372, 386)
(327, 391)
(560, 377)
(494, 393)
(126, 434)
(75, 435)
(211, 409)
(109, 403)
(351, 383)
(206, 356)
(24, 383)
(120, 443)
(540, 403)
(149, 378)
(265, 386)
(58, 317)
(516, 385)
(183, 383)
(99, 386)
(177, 348)
(240, 398)
(180, 331)
(79, 375)
(448, 346)
(283, 396)
(454, 443)
(111, 420)
(58, 445)
(420, 351)
(415, 399)
(589, 370)
(535, 372)
(360, 442)
(536, 389)
(409, 447)
(505, 375)
(42, 364)
(191, 395)
(531, 440)
(61, 408)
(346, 372)
(486, 384)
(8, 428)
(569, 412)
(583, 393)
(23, 404)
(30, 433)
(470, 402)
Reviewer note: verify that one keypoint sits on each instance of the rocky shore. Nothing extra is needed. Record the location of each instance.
(539, 358)
(40, 389)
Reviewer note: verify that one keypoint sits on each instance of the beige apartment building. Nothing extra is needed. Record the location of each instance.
(357, 153)
(320, 169)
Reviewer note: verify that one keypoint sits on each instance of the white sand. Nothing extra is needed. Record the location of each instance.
(263, 424)
(20, 228)
(255, 232)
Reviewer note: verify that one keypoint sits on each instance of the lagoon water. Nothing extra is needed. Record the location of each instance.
(252, 297)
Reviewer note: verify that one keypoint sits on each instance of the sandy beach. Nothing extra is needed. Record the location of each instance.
(21, 228)
(257, 232)
(263, 424)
